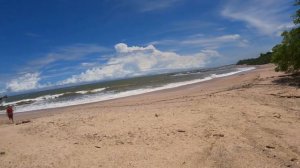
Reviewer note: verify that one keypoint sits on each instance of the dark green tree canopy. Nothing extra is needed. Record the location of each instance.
(287, 54)
(297, 15)
(264, 58)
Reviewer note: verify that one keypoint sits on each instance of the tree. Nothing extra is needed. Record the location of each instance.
(287, 54)
(297, 15)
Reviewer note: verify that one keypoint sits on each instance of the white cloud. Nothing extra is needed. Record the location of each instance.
(89, 64)
(27, 81)
(215, 41)
(135, 60)
(268, 16)
(207, 42)
(123, 48)
(67, 53)
(153, 5)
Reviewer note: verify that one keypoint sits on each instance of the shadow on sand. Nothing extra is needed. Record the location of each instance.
(289, 80)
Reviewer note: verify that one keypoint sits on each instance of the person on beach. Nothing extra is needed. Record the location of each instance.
(10, 113)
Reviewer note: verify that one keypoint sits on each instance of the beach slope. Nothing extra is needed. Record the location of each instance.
(251, 119)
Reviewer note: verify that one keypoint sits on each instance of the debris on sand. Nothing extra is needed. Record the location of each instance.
(270, 147)
(23, 122)
(2, 153)
(218, 135)
(277, 116)
(179, 130)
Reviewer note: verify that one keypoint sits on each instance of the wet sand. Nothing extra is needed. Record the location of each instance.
(245, 120)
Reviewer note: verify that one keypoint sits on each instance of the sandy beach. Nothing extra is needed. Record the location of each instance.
(251, 119)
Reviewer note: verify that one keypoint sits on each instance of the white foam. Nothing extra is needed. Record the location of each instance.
(90, 91)
(232, 73)
(97, 90)
(102, 97)
(46, 97)
(82, 92)
(187, 73)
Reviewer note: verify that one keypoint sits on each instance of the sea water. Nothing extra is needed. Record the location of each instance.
(107, 90)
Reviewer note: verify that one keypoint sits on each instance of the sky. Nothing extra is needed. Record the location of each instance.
(53, 43)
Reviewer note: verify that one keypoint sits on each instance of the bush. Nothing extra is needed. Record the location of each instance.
(287, 54)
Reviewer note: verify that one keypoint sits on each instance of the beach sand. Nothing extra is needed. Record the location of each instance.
(251, 119)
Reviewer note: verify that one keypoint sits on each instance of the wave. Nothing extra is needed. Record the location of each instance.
(82, 92)
(112, 95)
(97, 90)
(90, 91)
(187, 73)
(239, 70)
(27, 101)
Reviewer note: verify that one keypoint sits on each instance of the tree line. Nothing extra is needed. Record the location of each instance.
(264, 58)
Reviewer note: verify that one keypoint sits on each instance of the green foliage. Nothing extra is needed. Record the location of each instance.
(287, 54)
(297, 15)
(262, 59)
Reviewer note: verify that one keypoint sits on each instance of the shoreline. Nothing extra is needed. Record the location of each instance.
(27, 115)
(250, 119)
(49, 111)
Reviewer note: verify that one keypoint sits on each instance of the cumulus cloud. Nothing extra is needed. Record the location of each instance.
(27, 81)
(123, 48)
(135, 60)
(269, 17)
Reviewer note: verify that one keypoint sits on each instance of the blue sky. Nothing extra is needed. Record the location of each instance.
(60, 42)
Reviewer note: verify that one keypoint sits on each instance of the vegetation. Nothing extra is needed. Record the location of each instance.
(286, 55)
(262, 59)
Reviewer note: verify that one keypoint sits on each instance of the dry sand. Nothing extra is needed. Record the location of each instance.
(245, 120)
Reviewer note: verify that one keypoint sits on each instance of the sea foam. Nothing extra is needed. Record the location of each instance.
(90, 91)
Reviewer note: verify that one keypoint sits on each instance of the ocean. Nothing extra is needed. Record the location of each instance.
(101, 91)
